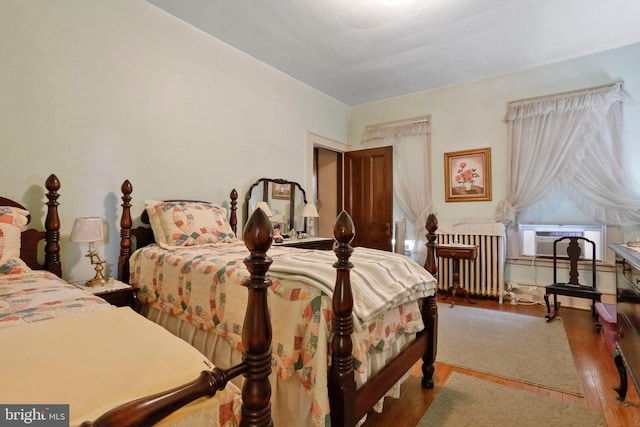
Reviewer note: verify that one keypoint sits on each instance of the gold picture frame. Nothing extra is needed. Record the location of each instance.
(467, 175)
(280, 191)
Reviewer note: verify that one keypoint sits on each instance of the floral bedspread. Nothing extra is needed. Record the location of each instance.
(203, 285)
(39, 295)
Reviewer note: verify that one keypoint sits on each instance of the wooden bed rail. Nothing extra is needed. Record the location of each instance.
(256, 355)
(149, 410)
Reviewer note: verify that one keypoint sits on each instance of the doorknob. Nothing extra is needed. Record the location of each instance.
(387, 228)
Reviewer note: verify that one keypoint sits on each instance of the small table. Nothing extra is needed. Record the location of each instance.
(114, 292)
(457, 252)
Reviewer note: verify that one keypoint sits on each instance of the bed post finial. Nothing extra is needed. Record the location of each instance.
(256, 330)
(125, 232)
(342, 385)
(233, 216)
(52, 227)
(430, 263)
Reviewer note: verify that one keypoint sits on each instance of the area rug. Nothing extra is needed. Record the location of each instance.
(469, 401)
(522, 348)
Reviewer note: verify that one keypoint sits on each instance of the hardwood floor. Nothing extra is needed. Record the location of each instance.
(594, 365)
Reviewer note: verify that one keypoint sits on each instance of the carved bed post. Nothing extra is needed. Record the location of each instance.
(233, 215)
(125, 232)
(341, 382)
(430, 264)
(52, 227)
(256, 331)
(429, 307)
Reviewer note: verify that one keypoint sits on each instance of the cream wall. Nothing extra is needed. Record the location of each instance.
(99, 91)
(103, 90)
(470, 115)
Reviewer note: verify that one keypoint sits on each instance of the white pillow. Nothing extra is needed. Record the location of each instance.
(154, 220)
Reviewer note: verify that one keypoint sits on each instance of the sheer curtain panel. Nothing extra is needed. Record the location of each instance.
(571, 145)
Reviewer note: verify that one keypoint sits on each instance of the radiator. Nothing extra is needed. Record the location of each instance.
(483, 276)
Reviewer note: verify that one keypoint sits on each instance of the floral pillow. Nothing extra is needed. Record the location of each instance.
(12, 220)
(177, 224)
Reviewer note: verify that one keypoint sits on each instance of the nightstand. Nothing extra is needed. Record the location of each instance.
(115, 292)
(322, 243)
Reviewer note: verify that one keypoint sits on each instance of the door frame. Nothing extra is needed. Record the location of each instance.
(313, 141)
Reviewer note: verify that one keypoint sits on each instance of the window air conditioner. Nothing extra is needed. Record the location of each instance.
(545, 239)
(536, 239)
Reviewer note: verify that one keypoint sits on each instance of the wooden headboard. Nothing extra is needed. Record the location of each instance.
(143, 234)
(31, 238)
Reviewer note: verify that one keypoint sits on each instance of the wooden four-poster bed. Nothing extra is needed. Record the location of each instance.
(349, 402)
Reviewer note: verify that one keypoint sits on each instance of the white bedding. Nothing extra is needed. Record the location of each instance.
(379, 280)
(61, 345)
(96, 361)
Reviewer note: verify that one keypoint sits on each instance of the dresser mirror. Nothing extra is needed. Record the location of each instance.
(285, 199)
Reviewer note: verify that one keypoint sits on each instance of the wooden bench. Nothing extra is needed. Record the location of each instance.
(608, 319)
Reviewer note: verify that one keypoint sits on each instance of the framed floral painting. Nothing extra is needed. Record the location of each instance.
(467, 175)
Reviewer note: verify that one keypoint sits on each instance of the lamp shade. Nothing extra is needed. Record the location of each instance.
(265, 208)
(310, 211)
(87, 229)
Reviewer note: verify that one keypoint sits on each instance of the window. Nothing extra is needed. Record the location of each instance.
(570, 144)
(537, 240)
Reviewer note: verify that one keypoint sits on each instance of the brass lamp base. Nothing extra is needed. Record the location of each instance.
(97, 281)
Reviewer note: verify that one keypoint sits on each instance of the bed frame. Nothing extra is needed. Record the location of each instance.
(348, 405)
(256, 364)
(256, 356)
(31, 238)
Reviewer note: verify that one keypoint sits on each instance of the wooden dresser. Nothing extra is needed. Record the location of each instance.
(322, 243)
(627, 354)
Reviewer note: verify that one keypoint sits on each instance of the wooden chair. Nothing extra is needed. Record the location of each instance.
(572, 288)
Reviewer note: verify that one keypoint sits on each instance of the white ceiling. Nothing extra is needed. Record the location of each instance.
(363, 50)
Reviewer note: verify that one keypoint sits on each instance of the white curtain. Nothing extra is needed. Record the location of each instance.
(570, 145)
(411, 175)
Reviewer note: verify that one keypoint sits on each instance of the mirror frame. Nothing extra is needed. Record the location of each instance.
(266, 197)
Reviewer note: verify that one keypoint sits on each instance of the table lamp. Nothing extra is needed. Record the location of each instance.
(309, 213)
(90, 230)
